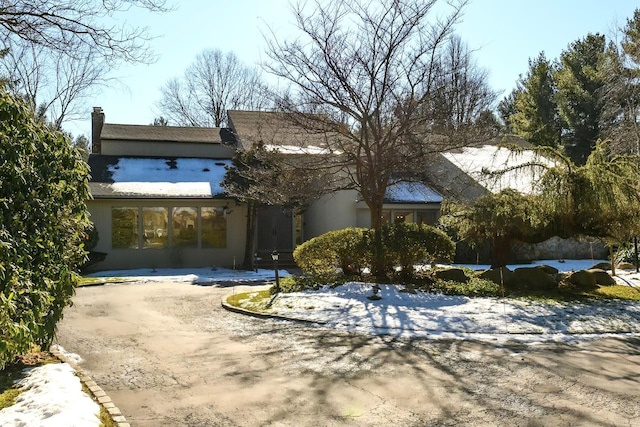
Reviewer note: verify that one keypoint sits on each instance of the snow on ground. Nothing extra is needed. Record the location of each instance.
(53, 397)
(200, 276)
(434, 316)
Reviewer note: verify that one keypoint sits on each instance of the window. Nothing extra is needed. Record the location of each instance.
(124, 228)
(159, 227)
(299, 234)
(155, 231)
(427, 217)
(185, 227)
(214, 228)
(402, 216)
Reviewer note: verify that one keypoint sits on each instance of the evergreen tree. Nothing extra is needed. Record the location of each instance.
(579, 95)
(536, 112)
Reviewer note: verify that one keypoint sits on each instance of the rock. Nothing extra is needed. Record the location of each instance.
(602, 277)
(583, 279)
(495, 276)
(602, 266)
(532, 278)
(548, 269)
(625, 266)
(452, 274)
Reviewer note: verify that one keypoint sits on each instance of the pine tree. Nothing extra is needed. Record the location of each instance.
(536, 112)
(579, 95)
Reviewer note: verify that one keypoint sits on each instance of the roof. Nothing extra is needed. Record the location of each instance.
(136, 177)
(160, 133)
(476, 161)
(411, 192)
(281, 129)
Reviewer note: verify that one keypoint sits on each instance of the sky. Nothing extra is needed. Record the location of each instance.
(503, 33)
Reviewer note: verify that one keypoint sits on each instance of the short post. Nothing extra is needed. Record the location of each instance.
(635, 244)
(274, 257)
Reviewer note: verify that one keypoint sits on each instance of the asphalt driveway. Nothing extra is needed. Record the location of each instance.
(169, 355)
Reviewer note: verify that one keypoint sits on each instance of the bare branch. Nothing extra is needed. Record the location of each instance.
(62, 26)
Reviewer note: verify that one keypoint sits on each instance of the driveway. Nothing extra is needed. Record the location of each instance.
(169, 355)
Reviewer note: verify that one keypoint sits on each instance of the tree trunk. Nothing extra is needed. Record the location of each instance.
(249, 247)
(501, 250)
(612, 256)
(377, 267)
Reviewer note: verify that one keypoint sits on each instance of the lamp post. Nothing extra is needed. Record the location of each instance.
(274, 257)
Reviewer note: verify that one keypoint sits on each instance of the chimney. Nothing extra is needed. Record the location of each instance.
(97, 120)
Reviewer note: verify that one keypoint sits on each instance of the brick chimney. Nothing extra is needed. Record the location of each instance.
(97, 120)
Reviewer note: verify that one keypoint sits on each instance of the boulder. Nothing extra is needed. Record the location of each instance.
(452, 274)
(532, 278)
(625, 266)
(602, 277)
(548, 269)
(583, 279)
(602, 266)
(497, 275)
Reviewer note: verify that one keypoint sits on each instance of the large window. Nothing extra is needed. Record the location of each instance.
(429, 217)
(155, 225)
(159, 227)
(124, 228)
(185, 227)
(214, 228)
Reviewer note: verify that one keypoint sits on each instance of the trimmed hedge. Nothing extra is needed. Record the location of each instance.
(351, 249)
(406, 244)
(340, 249)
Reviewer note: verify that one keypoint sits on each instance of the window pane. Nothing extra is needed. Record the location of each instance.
(403, 216)
(427, 217)
(124, 228)
(386, 217)
(214, 228)
(154, 227)
(185, 223)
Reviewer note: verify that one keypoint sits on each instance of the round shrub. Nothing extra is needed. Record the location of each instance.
(339, 249)
(406, 244)
(351, 249)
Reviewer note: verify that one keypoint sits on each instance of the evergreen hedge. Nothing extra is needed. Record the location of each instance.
(43, 189)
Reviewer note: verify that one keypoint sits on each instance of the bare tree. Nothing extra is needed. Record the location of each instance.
(462, 95)
(373, 66)
(54, 84)
(62, 26)
(213, 84)
(621, 94)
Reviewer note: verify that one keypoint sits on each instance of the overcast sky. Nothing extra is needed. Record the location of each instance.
(505, 33)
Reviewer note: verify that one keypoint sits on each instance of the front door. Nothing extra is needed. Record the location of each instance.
(275, 230)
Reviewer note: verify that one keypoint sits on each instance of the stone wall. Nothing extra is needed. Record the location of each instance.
(557, 248)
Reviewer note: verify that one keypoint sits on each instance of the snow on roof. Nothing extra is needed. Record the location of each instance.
(294, 149)
(411, 192)
(145, 177)
(473, 160)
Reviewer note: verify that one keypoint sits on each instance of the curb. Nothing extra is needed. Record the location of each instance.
(97, 392)
(259, 315)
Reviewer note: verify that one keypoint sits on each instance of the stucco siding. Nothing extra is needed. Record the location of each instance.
(101, 211)
(331, 212)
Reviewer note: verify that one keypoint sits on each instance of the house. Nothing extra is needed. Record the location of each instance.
(158, 200)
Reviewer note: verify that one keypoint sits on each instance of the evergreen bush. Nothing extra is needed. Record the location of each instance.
(43, 189)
